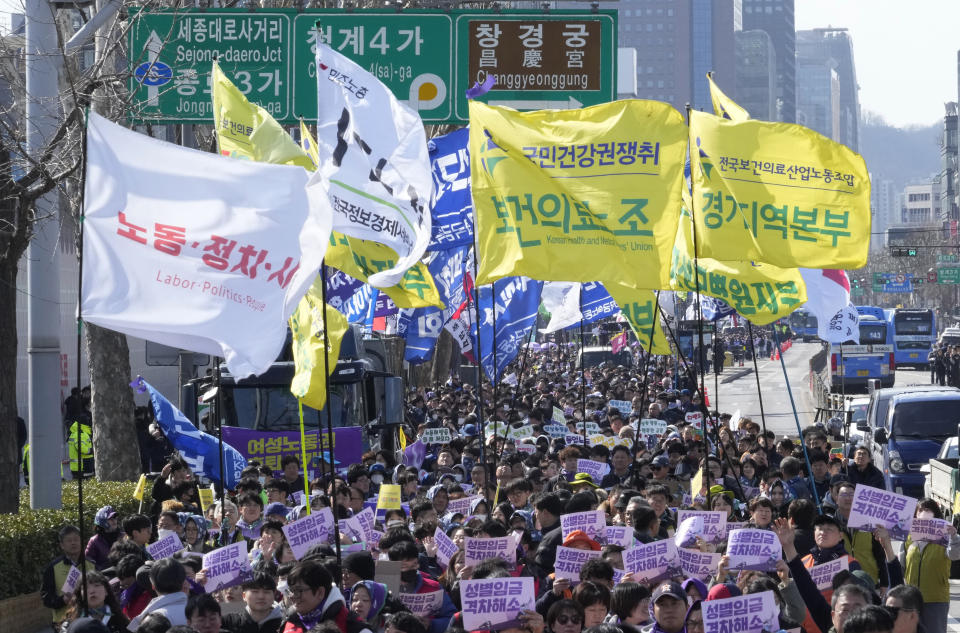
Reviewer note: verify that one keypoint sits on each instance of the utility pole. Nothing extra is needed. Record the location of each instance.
(43, 64)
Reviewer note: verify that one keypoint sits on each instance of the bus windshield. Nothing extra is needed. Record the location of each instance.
(912, 325)
(873, 333)
(274, 408)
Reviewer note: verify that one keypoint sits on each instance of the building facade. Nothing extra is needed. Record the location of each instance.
(827, 91)
(776, 19)
(756, 74)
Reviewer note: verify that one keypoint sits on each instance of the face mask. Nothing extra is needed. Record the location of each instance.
(395, 523)
(377, 479)
(161, 534)
(458, 477)
(409, 577)
(925, 514)
(482, 517)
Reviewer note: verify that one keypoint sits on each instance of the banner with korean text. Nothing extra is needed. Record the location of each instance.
(577, 195)
(193, 251)
(374, 166)
(494, 604)
(639, 308)
(777, 193)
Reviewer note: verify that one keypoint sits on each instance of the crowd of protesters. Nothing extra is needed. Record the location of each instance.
(521, 486)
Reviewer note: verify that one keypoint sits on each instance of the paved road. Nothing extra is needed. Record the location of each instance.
(736, 389)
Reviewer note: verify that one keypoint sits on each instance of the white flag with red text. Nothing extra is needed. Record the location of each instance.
(195, 251)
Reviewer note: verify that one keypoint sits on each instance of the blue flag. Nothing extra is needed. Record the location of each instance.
(421, 327)
(517, 302)
(352, 297)
(452, 206)
(200, 450)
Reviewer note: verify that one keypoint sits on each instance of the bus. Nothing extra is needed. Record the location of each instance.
(804, 325)
(914, 333)
(854, 363)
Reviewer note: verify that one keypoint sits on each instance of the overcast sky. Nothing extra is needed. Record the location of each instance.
(905, 52)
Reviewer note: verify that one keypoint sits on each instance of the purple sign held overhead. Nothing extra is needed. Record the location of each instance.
(446, 548)
(311, 529)
(873, 507)
(167, 546)
(594, 523)
(653, 562)
(494, 604)
(270, 447)
(930, 530)
(751, 613)
(570, 561)
(697, 564)
(753, 549)
(478, 549)
(226, 567)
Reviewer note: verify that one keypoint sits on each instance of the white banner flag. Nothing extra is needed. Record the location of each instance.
(195, 251)
(374, 163)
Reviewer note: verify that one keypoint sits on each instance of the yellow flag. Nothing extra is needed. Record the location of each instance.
(362, 258)
(306, 327)
(206, 498)
(696, 483)
(309, 145)
(777, 193)
(759, 292)
(577, 195)
(141, 488)
(245, 130)
(639, 308)
(723, 105)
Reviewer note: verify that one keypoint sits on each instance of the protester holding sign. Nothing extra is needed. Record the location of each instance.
(927, 566)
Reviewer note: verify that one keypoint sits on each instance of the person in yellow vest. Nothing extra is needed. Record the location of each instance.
(85, 442)
(56, 572)
(927, 566)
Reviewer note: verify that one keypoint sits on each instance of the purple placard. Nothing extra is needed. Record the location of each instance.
(366, 520)
(71, 581)
(353, 528)
(373, 540)
(751, 613)
(653, 562)
(688, 530)
(478, 549)
(167, 546)
(618, 575)
(714, 523)
(873, 507)
(461, 506)
(494, 603)
(423, 604)
(269, 447)
(446, 548)
(570, 560)
(595, 469)
(698, 564)
(593, 522)
(822, 575)
(311, 529)
(226, 567)
(753, 549)
(930, 530)
(619, 535)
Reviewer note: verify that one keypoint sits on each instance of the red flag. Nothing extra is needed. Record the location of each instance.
(618, 342)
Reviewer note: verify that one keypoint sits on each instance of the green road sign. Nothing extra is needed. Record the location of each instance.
(428, 58)
(948, 275)
(948, 258)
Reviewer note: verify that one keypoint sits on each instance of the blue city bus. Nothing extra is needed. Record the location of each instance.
(854, 363)
(804, 325)
(914, 333)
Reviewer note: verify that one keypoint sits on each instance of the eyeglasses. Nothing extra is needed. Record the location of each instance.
(296, 591)
(569, 619)
(895, 611)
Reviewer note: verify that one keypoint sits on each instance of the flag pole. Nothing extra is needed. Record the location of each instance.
(83, 187)
(478, 356)
(223, 481)
(646, 373)
(756, 373)
(523, 364)
(496, 375)
(583, 372)
(796, 418)
(332, 497)
(696, 279)
(303, 451)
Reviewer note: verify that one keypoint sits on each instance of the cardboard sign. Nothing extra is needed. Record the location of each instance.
(618, 535)
(714, 523)
(652, 427)
(653, 562)
(555, 430)
(226, 566)
(753, 549)
(595, 469)
(446, 548)
(494, 604)
(206, 498)
(623, 406)
(559, 417)
(570, 561)
(751, 613)
(461, 506)
(388, 573)
(822, 575)
(436, 436)
(478, 549)
(389, 498)
(873, 507)
(930, 531)
(311, 529)
(594, 523)
(423, 604)
(167, 546)
(697, 564)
